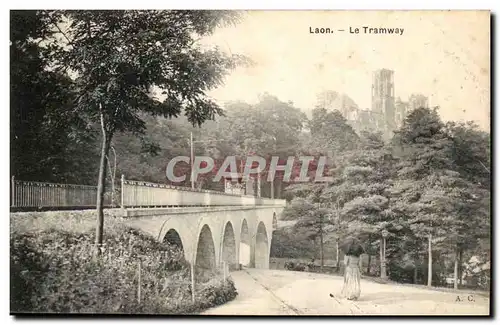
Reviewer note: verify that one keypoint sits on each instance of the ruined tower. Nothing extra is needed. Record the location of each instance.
(383, 101)
(417, 101)
(401, 112)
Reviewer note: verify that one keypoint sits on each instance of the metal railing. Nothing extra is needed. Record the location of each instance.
(144, 194)
(27, 194)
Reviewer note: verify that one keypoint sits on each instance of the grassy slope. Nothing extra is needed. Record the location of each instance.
(53, 269)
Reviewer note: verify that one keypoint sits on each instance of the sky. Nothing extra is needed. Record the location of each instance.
(441, 54)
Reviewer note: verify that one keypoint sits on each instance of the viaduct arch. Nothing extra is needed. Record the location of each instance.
(211, 237)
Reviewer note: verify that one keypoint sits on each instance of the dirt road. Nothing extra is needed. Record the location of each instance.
(276, 292)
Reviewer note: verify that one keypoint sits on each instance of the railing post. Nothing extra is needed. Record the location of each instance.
(67, 192)
(122, 190)
(13, 203)
(258, 183)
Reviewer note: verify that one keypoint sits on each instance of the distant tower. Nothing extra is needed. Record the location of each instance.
(383, 100)
(401, 112)
(417, 101)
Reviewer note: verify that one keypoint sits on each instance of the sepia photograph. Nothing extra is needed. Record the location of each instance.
(250, 162)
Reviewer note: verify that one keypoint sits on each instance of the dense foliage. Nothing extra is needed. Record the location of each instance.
(49, 140)
(107, 69)
(425, 194)
(427, 190)
(56, 271)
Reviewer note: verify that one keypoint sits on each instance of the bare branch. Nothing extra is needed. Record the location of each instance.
(483, 166)
(60, 31)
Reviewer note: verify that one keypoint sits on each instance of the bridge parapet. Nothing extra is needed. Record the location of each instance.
(144, 194)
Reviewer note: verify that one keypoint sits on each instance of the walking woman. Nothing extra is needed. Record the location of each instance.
(352, 275)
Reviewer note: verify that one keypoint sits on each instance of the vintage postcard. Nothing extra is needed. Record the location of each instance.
(169, 162)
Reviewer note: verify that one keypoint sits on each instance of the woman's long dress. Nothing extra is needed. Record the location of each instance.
(352, 277)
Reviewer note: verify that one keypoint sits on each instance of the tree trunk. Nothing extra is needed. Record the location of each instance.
(112, 173)
(415, 271)
(106, 140)
(338, 253)
(321, 254)
(381, 259)
(383, 274)
(385, 257)
(460, 270)
(455, 273)
(429, 272)
(100, 194)
(368, 266)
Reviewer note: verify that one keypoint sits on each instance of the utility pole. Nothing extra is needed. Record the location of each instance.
(258, 183)
(192, 142)
(192, 162)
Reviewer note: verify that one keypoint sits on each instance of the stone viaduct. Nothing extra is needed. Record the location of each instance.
(214, 229)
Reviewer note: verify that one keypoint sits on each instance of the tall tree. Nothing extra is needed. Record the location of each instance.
(313, 222)
(269, 128)
(146, 157)
(49, 141)
(471, 156)
(330, 133)
(119, 57)
(362, 191)
(426, 178)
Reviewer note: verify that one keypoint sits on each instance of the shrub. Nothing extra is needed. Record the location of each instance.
(56, 271)
(295, 266)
